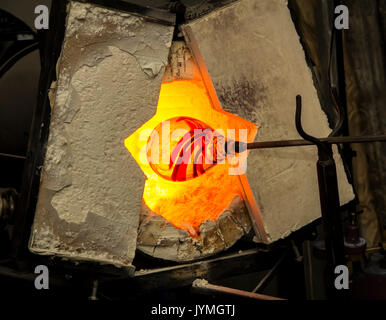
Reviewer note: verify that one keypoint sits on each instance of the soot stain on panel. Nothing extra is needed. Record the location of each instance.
(243, 98)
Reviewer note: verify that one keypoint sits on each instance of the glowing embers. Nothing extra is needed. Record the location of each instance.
(188, 195)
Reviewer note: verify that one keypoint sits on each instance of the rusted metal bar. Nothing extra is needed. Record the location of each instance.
(233, 264)
(204, 285)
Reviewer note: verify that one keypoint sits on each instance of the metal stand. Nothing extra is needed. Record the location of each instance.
(328, 186)
(329, 202)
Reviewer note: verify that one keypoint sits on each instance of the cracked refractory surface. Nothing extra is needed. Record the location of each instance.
(257, 66)
(160, 239)
(109, 77)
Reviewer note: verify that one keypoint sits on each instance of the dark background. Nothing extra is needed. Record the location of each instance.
(18, 97)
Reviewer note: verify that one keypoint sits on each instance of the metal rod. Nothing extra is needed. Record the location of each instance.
(203, 285)
(269, 274)
(225, 259)
(7, 155)
(308, 270)
(94, 291)
(301, 142)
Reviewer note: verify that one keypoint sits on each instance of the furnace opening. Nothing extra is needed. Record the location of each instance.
(188, 188)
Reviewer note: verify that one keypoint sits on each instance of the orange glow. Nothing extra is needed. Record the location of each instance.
(186, 204)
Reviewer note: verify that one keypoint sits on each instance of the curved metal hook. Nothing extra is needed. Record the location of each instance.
(298, 122)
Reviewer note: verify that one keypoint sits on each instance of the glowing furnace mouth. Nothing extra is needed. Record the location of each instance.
(180, 151)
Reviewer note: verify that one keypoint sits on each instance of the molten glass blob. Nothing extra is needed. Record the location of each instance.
(194, 149)
(187, 195)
